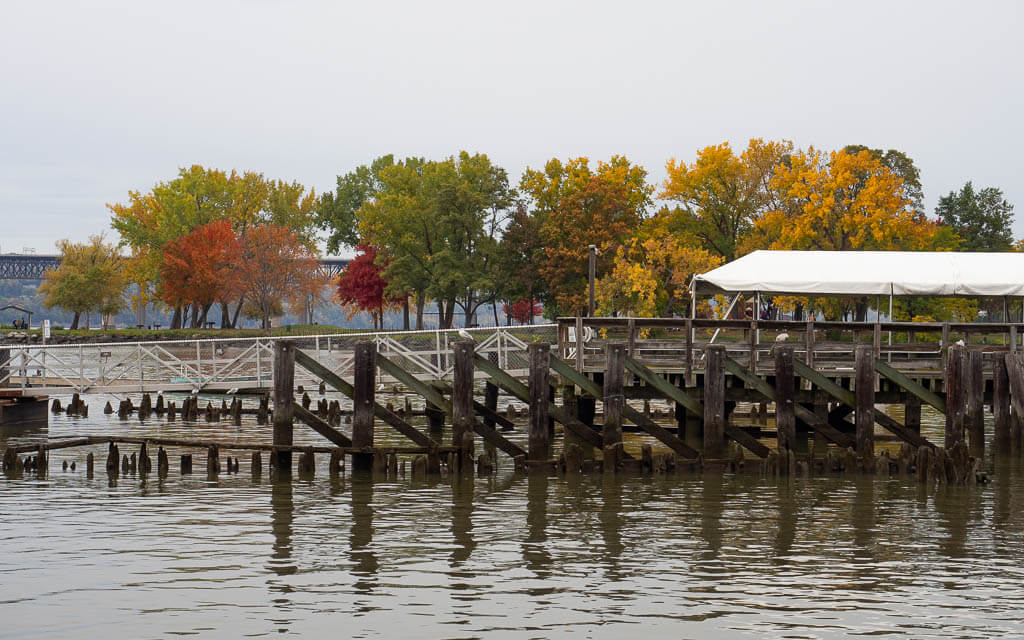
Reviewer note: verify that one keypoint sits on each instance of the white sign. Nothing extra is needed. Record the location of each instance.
(46, 329)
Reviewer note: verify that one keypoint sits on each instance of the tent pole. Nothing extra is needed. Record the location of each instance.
(890, 330)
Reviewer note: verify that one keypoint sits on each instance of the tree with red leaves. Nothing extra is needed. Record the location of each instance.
(361, 287)
(523, 311)
(200, 268)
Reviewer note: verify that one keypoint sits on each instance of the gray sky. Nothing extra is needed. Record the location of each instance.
(98, 98)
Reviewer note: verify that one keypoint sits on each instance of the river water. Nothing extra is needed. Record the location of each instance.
(505, 556)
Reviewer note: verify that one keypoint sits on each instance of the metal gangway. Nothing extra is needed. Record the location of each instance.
(243, 364)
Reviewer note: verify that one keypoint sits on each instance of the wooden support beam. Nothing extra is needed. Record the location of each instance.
(802, 413)
(864, 392)
(539, 446)
(389, 417)
(714, 402)
(434, 397)
(284, 403)
(462, 391)
(975, 389)
(519, 390)
(365, 380)
(955, 363)
(613, 398)
(902, 380)
(849, 400)
(490, 416)
(672, 392)
(321, 426)
(1001, 402)
(663, 435)
(785, 415)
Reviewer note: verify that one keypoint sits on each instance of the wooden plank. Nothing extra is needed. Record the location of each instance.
(321, 426)
(909, 385)
(785, 416)
(284, 402)
(864, 392)
(714, 402)
(539, 447)
(803, 414)
(663, 435)
(336, 382)
(434, 397)
(519, 390)
(490, 416)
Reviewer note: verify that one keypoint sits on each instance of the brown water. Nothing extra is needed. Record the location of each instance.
(501, 557)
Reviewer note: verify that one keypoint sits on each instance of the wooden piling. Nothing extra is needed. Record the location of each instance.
(1001, 403)
(364, 372)
(714, 402)
(912, 413)
(213, 459)
(785, 410)
(113, 459)
(539, 447)
(145, 462)
(162, 463)
(462, 399)
(186, 463)
(614, 400)
(284, 380)
(307, 463)
(974, 418)
(954, 396)
(336, 463)
(865, 398)
(256, 464)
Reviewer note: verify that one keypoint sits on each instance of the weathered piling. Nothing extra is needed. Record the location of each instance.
(284, 380)
(1001, 403)
(785, 416)
(864, 393)
(162, 463)
(113, 459)
(307, 463)
(213, 461)
(364, 374)
(614, 401)
(145, 462)
(186, 463)
(462, 401)
(90, 465)
(954, 396)
(256, 464)
(539, 446)
(714, 402)
(974, 418)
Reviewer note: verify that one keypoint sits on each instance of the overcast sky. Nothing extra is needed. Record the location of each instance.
(99, 98)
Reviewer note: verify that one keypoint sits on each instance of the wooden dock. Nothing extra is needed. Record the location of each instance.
(828, 384)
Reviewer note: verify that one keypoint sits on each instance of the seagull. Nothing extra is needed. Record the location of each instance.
(465, 335)
(782, 337)
(960, 342)
(380, 387)
(588, 334)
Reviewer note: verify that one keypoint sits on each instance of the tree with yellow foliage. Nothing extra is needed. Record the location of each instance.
(721, 195)
(651, 273)
(840, 202)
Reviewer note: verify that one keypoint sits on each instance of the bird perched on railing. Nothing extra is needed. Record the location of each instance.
(465, 335)
(782, 337)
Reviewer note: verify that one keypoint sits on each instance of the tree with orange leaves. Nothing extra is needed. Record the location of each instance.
(277, 265)
(575, 207)
(201, 268)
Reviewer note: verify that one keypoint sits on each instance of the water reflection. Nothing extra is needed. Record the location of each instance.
(462, 519)
(611, 519)
(361, 553)
(535, 550)
(282, 511)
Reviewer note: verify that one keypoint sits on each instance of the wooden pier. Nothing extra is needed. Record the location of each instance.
(828, 385)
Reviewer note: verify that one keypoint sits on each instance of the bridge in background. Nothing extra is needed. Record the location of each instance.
(30, 266)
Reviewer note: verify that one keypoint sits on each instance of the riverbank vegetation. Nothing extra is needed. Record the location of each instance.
(458, 234)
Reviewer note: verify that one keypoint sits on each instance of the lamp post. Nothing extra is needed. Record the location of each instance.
(592, 270)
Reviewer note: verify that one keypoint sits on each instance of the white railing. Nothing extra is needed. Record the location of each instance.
(242, 363)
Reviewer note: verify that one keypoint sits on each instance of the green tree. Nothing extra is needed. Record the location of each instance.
(88, 279)
(337, 211)
(982, 219)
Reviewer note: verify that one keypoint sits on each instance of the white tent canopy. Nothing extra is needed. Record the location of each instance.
(889, 273)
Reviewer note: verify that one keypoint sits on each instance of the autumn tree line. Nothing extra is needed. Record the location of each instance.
(457, 236)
